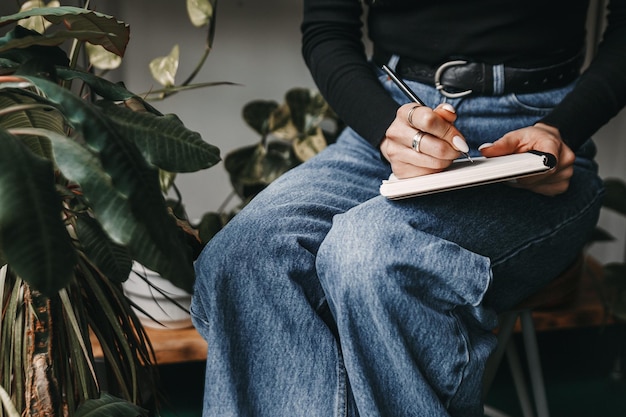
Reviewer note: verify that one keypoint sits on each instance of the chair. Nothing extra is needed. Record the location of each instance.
(559, 292)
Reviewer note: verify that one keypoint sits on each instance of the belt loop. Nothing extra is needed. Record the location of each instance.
(393, 61)
(498, 79)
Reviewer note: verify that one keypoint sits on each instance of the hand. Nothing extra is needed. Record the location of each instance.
(539, 137)
(439, 145)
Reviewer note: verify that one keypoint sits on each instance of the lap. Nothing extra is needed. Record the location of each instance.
(528, 238)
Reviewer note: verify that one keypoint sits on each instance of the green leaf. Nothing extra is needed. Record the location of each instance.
(21, 45)
(164, 68)
(252, 168)
(615, 195)
(104, 88)
(210, 224)
(256, 114)
(163, 140)
(126, 224)
(109, 406)
(200, 12)
(310, 145)
(307, 107)
(32, 234)
(9, 407)
(54, 39)
(112, 260)
(112, 34)
(281, 124)
(21, 110)
(102, 59)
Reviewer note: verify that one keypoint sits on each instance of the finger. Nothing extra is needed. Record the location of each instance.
(428, 144)
(550, 184)
(406, 162)
(446, 111)
(503, 146)
(428, 120)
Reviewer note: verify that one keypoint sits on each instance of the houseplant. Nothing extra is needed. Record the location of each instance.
(83, 162)
(289, 133)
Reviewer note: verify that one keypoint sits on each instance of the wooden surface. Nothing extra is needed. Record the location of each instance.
(177, 345)
(584, 309)
(171, 345)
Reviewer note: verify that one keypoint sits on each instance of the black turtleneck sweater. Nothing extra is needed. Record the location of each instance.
(521, 33)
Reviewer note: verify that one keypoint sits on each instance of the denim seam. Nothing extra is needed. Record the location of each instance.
(342, 391)
(466, 358)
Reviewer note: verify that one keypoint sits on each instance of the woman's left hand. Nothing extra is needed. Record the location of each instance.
(543, 138)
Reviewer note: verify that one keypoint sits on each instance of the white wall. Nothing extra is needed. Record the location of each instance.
(257, 45)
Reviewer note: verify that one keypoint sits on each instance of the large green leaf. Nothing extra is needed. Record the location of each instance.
(163, 140)
(133, 178)
(104, 88)
(112, 260)
(33, 237)
(118, 217)
(109, 406)
(21, 45)
(53, 39)
(21, 110)
(112, 34)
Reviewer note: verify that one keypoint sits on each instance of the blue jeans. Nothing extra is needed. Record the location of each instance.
(322, 298)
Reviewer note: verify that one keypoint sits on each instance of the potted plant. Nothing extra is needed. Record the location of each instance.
(84, 164)
(290, 133)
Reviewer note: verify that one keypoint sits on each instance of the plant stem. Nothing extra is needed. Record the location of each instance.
(42, 395)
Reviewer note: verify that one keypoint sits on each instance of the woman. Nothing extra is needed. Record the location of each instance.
(323, 298)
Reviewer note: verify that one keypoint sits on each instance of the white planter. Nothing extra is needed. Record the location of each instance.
(161, 311)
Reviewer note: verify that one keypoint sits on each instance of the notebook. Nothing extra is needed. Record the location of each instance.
(464, 173)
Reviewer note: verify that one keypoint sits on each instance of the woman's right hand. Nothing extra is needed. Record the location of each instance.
(422, 140)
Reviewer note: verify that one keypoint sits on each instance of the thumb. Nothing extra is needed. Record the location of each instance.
(503, 146)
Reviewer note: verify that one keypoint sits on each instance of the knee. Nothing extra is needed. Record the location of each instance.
(351, 259)
(385, 257)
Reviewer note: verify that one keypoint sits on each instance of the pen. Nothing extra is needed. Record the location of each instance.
(409, 93)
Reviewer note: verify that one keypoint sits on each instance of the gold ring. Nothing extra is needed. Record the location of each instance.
(416, 140)
(410, 116)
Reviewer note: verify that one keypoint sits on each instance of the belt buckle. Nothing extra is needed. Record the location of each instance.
(441, 88)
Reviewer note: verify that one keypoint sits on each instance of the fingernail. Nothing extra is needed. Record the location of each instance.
(448, 107)
(485, 145)
(460, 144)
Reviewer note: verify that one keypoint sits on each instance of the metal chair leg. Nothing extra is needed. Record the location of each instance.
(534, 363)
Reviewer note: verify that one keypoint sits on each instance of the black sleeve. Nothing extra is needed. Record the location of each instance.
(333, 50)
(601, 91)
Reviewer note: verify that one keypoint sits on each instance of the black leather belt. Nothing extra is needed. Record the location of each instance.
(458, 78)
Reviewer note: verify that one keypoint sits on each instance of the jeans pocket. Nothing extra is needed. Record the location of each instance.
(539, 103)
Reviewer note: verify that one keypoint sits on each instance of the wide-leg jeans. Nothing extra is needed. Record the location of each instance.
(322, 298)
